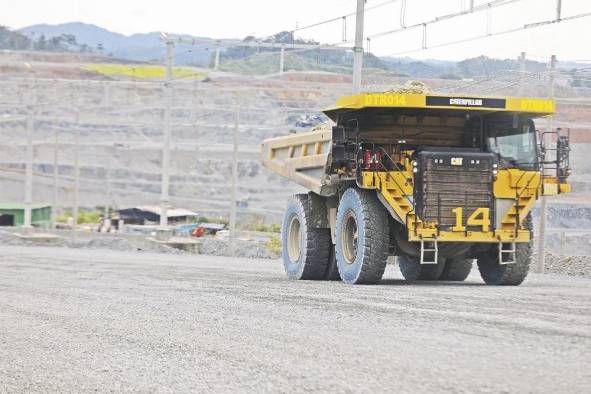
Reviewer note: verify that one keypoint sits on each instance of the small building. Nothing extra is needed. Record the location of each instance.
(144, 215)
(13, 214)
(135, 216)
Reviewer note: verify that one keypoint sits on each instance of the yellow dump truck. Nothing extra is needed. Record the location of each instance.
(438, 181)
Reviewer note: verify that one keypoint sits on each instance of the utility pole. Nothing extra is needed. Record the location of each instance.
(282, 60)
(55, 175)
(29, 157)
(234, 178)
(521, 73)
(106, 95)
(194, 102)
(165, 197)
(216, 64)
(358, 49)
(76, 209)
(540, 266)
(111, 153)
(521, 87)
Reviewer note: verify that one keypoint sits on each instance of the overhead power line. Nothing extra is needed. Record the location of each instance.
(483, 7)
(342, 17)
(502, 32)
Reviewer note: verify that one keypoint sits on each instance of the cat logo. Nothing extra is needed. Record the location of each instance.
(457, 161)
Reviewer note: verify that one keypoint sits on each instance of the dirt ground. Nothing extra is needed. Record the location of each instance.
(99, 320)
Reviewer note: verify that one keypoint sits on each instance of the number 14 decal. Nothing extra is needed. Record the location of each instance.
(480, 217)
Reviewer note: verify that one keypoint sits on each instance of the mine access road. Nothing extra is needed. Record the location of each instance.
(82, 320)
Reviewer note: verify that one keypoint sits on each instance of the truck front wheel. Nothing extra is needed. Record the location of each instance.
(512, 274)
(362, 237)
(305, 250)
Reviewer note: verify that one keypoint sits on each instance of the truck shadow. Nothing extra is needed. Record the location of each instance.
(402, 282)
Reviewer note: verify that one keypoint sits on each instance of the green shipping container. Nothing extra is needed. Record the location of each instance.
(13, 214)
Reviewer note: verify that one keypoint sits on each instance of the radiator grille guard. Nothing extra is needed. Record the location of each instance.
(448, 179)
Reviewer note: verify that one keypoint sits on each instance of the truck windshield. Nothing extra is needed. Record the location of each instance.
(516, 147)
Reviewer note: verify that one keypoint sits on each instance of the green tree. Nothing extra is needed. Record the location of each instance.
(41, 43)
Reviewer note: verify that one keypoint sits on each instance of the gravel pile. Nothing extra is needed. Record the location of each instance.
(113, 243)
(209, 246)
(565, 243)
(568, 265)
(121, 244)
(246, 249)
(84, 241)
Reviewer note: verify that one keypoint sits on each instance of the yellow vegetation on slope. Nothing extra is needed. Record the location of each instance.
(143, 71)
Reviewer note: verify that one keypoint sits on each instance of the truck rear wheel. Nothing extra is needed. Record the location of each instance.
(304, 249)
(412, 270)
(512, 274)
(362, 237)
(456, 269)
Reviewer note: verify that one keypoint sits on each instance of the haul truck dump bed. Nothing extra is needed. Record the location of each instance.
(438, 181)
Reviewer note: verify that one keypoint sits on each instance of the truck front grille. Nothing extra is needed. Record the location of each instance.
(448, 179)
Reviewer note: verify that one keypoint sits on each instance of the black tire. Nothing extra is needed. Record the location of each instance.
(512, 274)
(332, 271)
(412, 270)
(456, 269)
(362, 237)
(304, 249)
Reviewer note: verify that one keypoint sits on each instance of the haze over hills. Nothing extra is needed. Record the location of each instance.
(141, 46)
(148, 47)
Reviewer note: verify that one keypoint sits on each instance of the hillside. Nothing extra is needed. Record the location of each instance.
(89, 34)
(13, 40)
(141, 47)
(62, 42)
(265, 61)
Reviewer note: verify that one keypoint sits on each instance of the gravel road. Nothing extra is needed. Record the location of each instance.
(91, 320)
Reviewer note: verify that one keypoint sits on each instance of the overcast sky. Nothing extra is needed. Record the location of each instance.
(237, 19)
